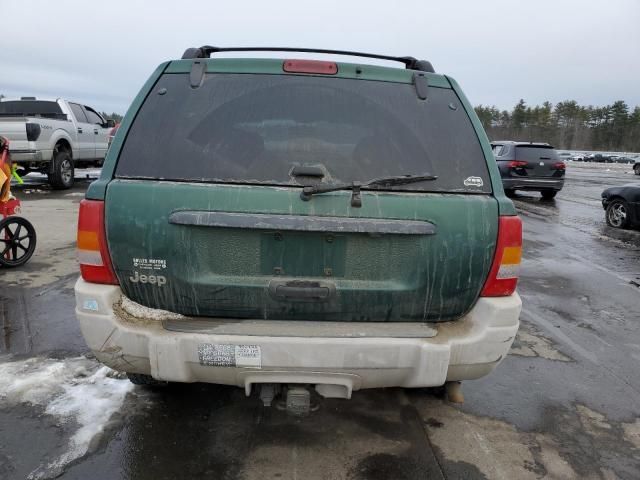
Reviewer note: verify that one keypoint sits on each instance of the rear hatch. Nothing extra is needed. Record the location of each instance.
(205, 217)
(541, 161)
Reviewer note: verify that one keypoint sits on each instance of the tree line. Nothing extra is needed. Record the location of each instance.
(566, 125)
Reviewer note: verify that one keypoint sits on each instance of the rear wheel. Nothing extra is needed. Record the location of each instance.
(62, 174)
(549, 194)
(17, 241)
(145, 380)
(618, 214)
(636, 169)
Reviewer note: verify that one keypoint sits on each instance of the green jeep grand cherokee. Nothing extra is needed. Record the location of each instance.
(269, 221)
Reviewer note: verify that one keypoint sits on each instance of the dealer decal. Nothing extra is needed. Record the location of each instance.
(150, 263)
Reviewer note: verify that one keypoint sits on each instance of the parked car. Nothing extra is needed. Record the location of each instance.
(622, 205)
(529, 166)
(269, 222)
(54, 136)
(600, 158)
(621, 159)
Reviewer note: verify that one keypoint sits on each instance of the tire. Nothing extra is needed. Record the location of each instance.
(509, 192)
(17, 241)
(144, 380)
(636, 169)
(549, 194)
(63, 171)
(617, 214)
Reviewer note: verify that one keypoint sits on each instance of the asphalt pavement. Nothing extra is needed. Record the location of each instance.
(564, 404)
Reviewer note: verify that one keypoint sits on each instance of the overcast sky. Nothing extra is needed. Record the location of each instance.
(100, 53)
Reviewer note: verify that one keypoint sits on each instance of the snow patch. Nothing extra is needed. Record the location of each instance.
(140, 311)
(73, 389)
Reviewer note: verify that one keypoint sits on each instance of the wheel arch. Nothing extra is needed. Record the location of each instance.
(64, 144)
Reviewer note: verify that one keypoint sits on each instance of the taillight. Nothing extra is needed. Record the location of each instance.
(310, 66)
(517, 164)
(33, 131)
(93, 254)
(503, 276)
(558, 166)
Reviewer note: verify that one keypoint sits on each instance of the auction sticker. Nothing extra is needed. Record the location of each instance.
(226, 355)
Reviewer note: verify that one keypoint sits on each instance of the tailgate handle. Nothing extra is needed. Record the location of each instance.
(301, 290)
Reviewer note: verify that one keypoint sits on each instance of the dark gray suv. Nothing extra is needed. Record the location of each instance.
(529, 166)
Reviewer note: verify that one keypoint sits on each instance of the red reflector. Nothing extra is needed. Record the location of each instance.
(93, 254)
(517, 164)
(310, 66)
(503, 277)
(558, 166)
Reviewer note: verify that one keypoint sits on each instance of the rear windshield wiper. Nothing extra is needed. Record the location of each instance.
(309, 191)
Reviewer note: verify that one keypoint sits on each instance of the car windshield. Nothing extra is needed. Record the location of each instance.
(255, 128)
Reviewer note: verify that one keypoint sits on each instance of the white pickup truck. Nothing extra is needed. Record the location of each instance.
(54, 136)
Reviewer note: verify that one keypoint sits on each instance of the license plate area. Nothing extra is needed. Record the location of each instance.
(302, 254)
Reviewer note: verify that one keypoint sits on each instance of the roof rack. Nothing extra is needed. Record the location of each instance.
(410, 63)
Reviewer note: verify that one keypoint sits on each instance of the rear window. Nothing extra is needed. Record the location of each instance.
(31, 108)
(498, 150)
(527, 153)
(254, 128)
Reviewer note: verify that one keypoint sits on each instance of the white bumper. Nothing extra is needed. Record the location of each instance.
(345, 357)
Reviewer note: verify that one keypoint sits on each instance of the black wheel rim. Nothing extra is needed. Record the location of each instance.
(17, 241)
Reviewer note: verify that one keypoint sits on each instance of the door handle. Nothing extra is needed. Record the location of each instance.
(95, 131)
(79, 130)
(301, 290)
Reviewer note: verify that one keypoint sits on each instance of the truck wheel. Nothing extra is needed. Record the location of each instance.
(62, 176)
(549, 194)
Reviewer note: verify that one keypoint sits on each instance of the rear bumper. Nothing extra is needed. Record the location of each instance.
(533, 183)
(297, 352)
